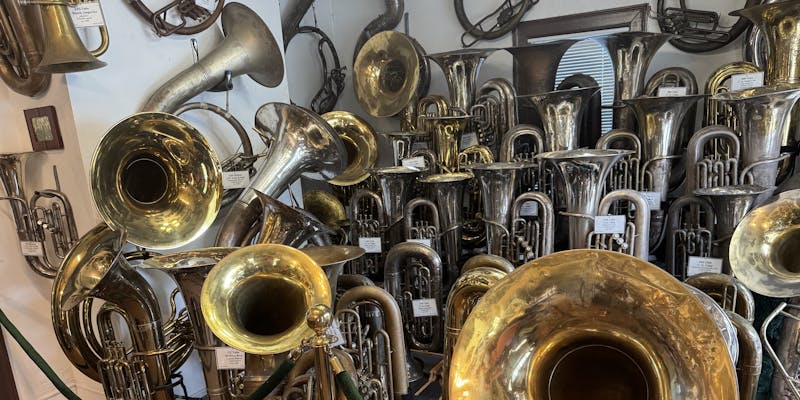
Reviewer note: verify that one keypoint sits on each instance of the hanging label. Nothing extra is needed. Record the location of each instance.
(32, 249)
(424, 308)
(529, 209)
(370, 244)
(469, 139)
(229, 358)
(747, 81)
(414, 162)
(609, 224)
(653, 199)
(672, 91)
(703, 264)
(334, 331)
(87, 15)
(207, 4)
(426, 242)
(235, 179)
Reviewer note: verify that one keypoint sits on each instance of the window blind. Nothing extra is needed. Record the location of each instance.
(589, 58)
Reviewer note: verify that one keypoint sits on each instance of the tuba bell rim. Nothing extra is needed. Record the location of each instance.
(359, 134)
(757, 92)
(237, 16)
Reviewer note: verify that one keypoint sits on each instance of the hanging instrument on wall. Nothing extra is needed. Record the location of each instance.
(541, 312)
(185, 11)
(332, 80)
(508, 16)
(22, 32)
(382, 23)
(248, 48)
(45, 224)
(64, 51)
(698, 31)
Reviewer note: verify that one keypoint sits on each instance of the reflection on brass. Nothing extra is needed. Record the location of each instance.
(64, 51)
(359, 141)
(326, 207)
(593, 324)
(21, 32)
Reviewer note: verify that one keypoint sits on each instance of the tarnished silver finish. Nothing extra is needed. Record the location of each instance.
(659, 128)
(625, 174)
(403, 143)
(785, 357)
(413, 271)
(712, 158)
(510, 150)
(286, 225)
(497, 193)
(631, 53)
(367, 219)
(531, 235)
(303, 144)
(461, 68)
(676, 77)
(779, 23)
(636, 239)
(248, 48)
(731, 204)
(419, 228)
(562, 112)
(396, 188)
(506, 95)
(536, 65)
(763, 115)
(689, 232)
(730, 293)
(291, 15)
(748, 366)
(51, 225)
(584, 172)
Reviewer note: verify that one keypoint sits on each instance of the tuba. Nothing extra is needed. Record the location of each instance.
(461, 68)
(561, 112)
(285, 225)
(536, 333)
(359, 141)
(721, 114)
(396, 188)
(635, 241)
(497, 182)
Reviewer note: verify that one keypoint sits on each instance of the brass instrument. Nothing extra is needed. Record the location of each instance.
(285, 225)
(303, 144)
(535, 65)
(690, 232)
(359, 142)
(22, 34)
(510, 150)
(332, 260)
(447, 134)
(441, 108)
(676, 77)
(248, 48)
(96, 268)
(396, 188)
(625, 174)
(536, 333)
(367, 220)
(142, 172)
(531, 235)
(715, 166)
(495, 109)
(774, 21)
(64, 52)
(325, 207)
(497, 182)
(631, 53)
(162, 27)
(717, 113)
(46, 221)
(730, 293)
(562, 112)
(421, 225)
(635, 241)
(584, 172)
(461, 68)
(403, 144)
(413, 272)
(721, 319)
(236, 311)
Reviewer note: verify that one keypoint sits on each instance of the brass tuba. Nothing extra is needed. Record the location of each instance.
(563, 319)
(64, 51)
(22, 33)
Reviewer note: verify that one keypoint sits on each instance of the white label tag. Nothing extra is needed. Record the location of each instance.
(671, 91)
(469, 139)
(207, 4)
(235, 179)
(229, 358)
(529, 209)
(87, 15)
(32, 249)
(609, 224)
(704, 264)
(334, 330)
(424, 308)
(370, 244)
(747, 81)
(414, 162)
(426, 242)
(653, 200)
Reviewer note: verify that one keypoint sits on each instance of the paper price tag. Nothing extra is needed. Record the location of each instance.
(426, 242)
(87, 15)
(414, 162)
(370, 244)
(334, 330)
(609, 224)
(229, 358)
(469, 139)
(207, 4)
(671, 91)
(235, 179)
(747, 81)
(653, 200)
(704, 264)
(529, 209)
(32, 249)
(424, 308)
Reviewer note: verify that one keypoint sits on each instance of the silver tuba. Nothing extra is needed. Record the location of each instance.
(635, 241)
(562, 112)
(497, 182)
(461, 68)
(532, 231)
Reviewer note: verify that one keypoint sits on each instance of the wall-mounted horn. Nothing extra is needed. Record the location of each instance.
(358, 137)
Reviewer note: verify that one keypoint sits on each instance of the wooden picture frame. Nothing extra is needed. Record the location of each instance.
(8, 388)
(43, 128)
(632, 17)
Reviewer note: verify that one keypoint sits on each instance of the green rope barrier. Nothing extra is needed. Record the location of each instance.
(36, 358)
(347, 386)
(274, 380)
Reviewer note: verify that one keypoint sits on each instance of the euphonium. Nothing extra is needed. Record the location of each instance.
(717, 166)
(303, 144)
(248, 48)
(536, 334)
(763, 115)
(497, 193)
(721, 114)
(461, 68)
(96, 267)
(396, 188)
(562, 112)
(631, 53)
(636, 239)
(584, 172)
(51, 226)
(22, 33)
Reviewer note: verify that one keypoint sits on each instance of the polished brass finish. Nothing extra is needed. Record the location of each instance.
(248, 48)
(332, 260)
(562, 112)
(447, 132)
(234, 306)
(22, 36)
(560, 320)
(487, 261)
(325, 207)
(779, 23)
(763, 250)
(730, 293)
(359, 141)
(461, 68)
(717, 113)
(387, 73)
(156, 176)
(64, 51)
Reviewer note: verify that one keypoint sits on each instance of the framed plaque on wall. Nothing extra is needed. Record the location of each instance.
(43, 128)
